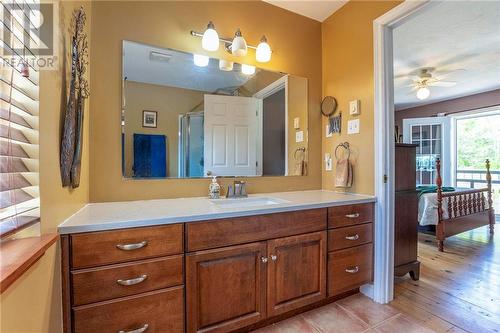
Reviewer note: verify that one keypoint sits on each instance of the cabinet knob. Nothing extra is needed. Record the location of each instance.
(139, 330)
(134, 246)
(355, 237)
(263, 259)
(274, 257)
(352, 216)
(352, 270)
(131, 282)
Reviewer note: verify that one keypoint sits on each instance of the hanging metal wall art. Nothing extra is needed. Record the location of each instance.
(72, 135)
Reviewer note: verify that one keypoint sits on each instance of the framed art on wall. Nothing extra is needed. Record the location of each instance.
(149, 118)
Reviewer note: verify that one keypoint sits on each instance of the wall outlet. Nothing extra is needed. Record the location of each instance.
(327, 131)
(296, 123)
(299, 136)
(328, 162)
(354, 107)
(353, 126)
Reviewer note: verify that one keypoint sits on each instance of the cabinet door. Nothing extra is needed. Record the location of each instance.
(296, 272)
(226, 288)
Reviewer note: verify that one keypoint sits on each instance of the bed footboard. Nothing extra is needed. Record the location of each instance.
(466, 210)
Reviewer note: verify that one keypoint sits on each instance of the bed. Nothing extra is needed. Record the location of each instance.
(458, 211)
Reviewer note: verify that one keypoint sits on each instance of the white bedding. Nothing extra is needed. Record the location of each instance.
(427, 208)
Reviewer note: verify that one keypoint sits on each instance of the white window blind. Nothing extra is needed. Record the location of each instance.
(19, 115)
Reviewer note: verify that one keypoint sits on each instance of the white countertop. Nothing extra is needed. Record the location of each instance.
(130, 214)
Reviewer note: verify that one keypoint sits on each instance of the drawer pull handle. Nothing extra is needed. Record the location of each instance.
(274, 257)
(263, 259)
(130, 247)
(139, 330)
(352, 216)
(353, 238)
(131, 282)
(353, 270)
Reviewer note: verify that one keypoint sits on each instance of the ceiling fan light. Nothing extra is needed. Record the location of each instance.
(247, 69)
(239, 45)
(263, 53)
(200, 60)
(210, 40)
(423, 93)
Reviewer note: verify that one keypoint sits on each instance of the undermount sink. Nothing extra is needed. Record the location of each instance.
(247, 202)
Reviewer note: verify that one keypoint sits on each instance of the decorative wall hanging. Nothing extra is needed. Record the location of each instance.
(72, 135)
(149, 119)
(328, 108)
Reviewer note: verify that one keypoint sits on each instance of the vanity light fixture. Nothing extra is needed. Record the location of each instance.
(225, 65)
(239, 45)
(200, 60)
(423, 93)
(247, 69)
(263, 53)
(236, 46)
(210, 39)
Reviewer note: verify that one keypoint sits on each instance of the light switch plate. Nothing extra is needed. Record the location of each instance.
(328, 162)
(299, 136)
(354, 107)
(296, 123)
(353, 126)
(327, 131)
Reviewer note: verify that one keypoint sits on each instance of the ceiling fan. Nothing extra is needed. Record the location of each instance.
(427, 77)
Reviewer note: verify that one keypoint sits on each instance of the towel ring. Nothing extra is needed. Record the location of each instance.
(344, 145)
(302, 149)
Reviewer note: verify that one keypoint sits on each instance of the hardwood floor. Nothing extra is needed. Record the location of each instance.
(458, 291)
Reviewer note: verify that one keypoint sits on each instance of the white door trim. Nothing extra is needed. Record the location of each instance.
(383, 282)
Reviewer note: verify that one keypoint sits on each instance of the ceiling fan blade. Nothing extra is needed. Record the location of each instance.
(443, 84)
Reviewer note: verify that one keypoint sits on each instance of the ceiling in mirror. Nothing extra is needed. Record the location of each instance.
(185, 116)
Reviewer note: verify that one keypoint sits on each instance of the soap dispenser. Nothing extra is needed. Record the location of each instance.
(214, 189)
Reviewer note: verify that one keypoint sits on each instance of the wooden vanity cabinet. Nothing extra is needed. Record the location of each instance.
(214, 276)
(225, 288)
(296, 272)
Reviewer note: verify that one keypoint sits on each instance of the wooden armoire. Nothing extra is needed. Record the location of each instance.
(406, 212)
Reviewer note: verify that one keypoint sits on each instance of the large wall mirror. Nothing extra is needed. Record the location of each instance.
(185, 116)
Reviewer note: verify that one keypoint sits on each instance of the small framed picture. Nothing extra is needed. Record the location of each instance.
(149, 118)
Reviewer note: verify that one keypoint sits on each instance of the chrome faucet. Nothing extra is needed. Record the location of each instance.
(237, 190)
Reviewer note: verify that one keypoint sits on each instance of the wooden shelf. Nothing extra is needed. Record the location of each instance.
(19, 255)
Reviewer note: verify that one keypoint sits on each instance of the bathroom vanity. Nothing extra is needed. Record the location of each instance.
(200, 265)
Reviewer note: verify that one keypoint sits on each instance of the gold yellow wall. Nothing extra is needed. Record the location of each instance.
(347, 39)
(296, 42)
(33, 303)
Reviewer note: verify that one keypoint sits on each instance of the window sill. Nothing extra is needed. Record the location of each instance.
(19, 255)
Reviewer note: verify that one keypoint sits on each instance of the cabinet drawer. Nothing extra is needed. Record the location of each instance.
(103, 283)
(343, 216)
(345, 237)
(162, 311)
(108, 247)
(224, 232)
(350, 268)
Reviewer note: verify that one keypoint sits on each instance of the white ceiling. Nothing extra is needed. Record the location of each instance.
(316, 10)
(179, 71)
(449, 35)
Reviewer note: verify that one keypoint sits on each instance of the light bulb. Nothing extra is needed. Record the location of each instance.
(210, 40)
(200, 60)
(423, 93)
(239, 45)
(247, 69)
(263, 53)
(225, 65)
